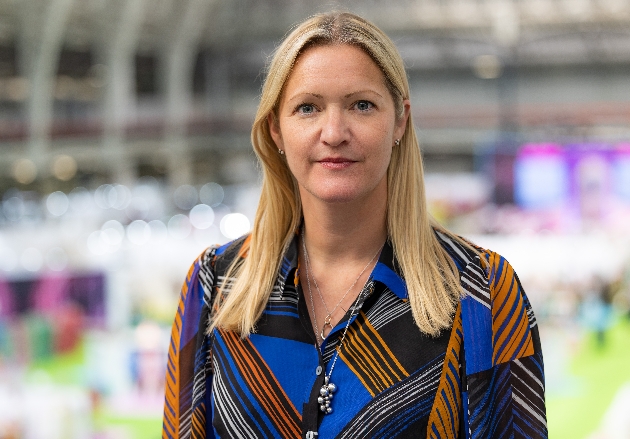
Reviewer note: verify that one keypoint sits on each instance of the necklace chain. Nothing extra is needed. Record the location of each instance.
(328, 318)
(328, 388)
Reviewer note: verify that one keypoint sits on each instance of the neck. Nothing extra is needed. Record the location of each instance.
(341, 232)
(342, 241)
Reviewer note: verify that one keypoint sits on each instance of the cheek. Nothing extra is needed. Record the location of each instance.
(384, 161)
(295, 163)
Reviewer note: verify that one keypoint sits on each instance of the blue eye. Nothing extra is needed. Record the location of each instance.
(306, 109)
(364, 105)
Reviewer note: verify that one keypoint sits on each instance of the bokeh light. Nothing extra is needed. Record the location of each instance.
(185, 197)
(115, 232)
(201, 216)
(112, 196)
(138, 232)
(98, 243)
(101, 196)
(13, 208)
(234, 225)
(179, 227)
(64, 167)
(57, 203)
(159, 231)
(24, 171)
(211, 194)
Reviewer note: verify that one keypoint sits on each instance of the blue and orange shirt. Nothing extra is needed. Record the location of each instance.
(481, 378)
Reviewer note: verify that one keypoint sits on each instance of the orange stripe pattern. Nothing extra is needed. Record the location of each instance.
(365, 352)
(176, 378)
(263, 385)
(444, 420)
(510, 325)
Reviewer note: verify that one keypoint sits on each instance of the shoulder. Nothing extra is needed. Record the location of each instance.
(462, 252)
(218, 258)
(491, 283)
(210, 265)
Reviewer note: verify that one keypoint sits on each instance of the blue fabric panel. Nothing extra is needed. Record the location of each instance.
(477, 326)
(295, 371)
(353, 396)
(193, 305)
(386, 275)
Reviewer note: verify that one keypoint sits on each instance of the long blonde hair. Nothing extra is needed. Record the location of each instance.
(431, 276)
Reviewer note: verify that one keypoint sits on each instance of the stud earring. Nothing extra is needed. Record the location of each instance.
(280, 151)
(397, 142)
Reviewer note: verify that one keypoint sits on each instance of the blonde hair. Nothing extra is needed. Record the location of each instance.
(430, 274)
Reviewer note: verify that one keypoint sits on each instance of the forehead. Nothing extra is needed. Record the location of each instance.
(334, 65)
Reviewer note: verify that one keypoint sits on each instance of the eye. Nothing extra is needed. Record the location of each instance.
(363, 105)
(305, 109)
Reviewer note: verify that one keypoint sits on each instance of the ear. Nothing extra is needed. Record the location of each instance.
(401, 123)
(274, 130)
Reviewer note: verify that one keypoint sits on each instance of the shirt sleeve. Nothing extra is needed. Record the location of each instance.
(188, 366)
(505, 386)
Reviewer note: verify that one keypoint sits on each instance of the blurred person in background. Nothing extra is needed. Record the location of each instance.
(597, 309)
(348, 311)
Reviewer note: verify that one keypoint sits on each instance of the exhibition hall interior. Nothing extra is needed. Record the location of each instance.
(125, 152)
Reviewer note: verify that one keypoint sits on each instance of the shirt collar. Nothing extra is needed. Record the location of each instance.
(388, 273)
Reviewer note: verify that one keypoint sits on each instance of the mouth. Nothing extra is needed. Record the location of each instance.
(336, 162)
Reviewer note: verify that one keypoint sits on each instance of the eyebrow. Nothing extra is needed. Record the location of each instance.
(302, 94)
(349, 95)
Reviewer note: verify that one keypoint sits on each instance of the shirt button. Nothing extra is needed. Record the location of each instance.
(318, 371)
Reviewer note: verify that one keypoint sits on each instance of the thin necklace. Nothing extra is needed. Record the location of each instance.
(328, 318)
(328, 388)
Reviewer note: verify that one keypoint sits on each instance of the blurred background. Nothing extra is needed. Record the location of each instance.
(124, 152)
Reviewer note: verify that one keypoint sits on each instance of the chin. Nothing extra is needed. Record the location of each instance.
(342, 197)
(345, 193)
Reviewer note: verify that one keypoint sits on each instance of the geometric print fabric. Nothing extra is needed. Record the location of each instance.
(483, 378)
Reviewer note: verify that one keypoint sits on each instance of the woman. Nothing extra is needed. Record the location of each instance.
(348, 312)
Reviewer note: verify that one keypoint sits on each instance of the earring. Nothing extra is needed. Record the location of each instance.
(280, 151)
(397, 142)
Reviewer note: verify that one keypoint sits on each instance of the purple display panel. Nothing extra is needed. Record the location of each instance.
(541, 176)
(591, 184)
(621, 173)
(49, 294)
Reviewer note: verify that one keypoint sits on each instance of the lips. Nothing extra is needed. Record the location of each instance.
(336, 162)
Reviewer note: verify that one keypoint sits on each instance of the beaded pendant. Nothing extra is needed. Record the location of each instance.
(326, 396)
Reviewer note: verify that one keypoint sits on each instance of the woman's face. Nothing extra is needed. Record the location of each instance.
(337, 125)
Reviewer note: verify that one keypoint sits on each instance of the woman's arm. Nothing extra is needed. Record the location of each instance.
(187, 367)
(505, 387)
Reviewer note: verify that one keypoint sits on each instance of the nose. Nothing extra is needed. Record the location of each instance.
(334, 128)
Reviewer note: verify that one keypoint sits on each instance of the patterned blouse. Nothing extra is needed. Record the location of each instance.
(482, 378)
